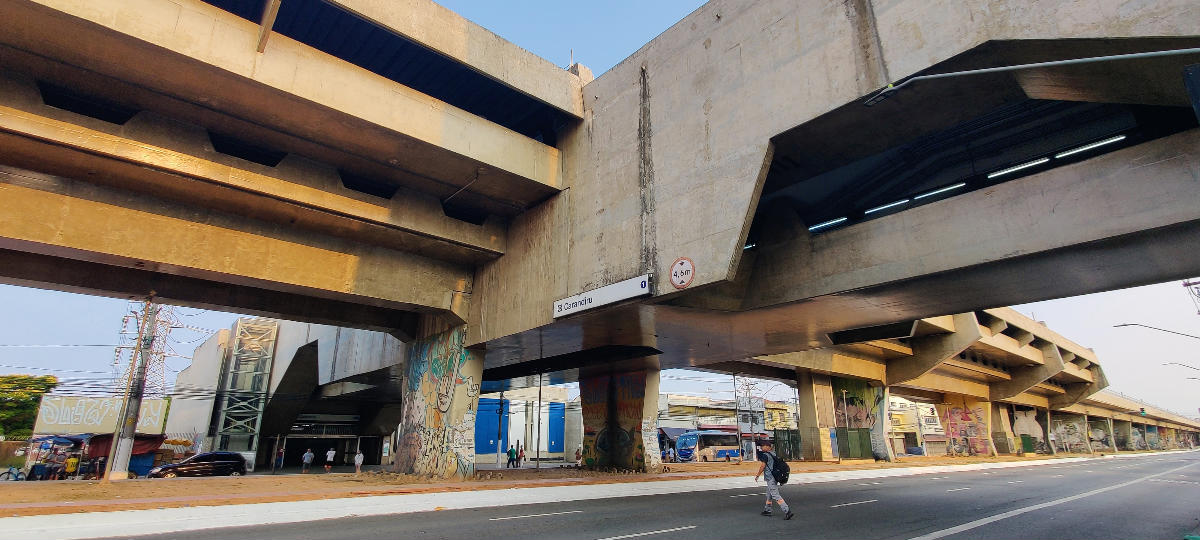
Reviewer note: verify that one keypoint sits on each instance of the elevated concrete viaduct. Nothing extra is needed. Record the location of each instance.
(396, 167)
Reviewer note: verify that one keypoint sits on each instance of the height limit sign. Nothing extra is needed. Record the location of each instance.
(682, 272)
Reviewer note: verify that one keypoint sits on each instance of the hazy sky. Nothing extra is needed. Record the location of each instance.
(602, 34)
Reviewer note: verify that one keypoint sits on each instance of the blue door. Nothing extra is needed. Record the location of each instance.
(557, 428)
(491, 414)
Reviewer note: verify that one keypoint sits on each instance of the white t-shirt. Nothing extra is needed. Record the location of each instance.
(329, 455)
(358, 458)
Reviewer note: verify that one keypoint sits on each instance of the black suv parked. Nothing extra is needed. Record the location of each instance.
(203, 464)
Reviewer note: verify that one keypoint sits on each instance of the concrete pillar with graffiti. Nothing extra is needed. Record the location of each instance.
(436, 435)
(620, 420)
(968, 425)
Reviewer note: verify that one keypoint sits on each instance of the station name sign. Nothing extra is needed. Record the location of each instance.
(621, 290)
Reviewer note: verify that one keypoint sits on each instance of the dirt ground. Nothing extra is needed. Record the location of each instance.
(66, 496)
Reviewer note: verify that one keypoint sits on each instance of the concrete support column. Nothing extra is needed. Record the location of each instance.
(620, 412)
(816, 414)
(968, 423)
(1003, 437)
(1087, 435)
(1052, 442)
(436, 435)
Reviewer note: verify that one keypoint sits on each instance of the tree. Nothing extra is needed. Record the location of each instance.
(20, 397)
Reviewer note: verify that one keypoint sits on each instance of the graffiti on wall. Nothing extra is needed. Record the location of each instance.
(437, 430)
(1099, 435)
(1139, 439)
(968, 426)
(1152, 439)
(627, 440)
(1070, 435)
(862, 406)
(1026, 423)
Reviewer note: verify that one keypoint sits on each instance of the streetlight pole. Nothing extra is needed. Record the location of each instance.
(846, 416)
(1156, 328)
(737, 418)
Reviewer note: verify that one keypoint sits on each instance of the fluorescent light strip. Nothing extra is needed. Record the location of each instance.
(1016, 168)
(1087, 147)
(827, 223)
(886, 206)
(937, 191)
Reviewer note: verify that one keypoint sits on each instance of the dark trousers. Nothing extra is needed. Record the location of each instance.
(512, 462)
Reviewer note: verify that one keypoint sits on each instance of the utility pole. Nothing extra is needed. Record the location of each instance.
(737, 418)
(117, 464)
(499, 429)
(538, 450)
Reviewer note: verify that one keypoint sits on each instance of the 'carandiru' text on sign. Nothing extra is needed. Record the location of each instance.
(607, 294)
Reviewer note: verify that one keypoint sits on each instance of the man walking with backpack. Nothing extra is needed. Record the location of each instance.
(775, 472)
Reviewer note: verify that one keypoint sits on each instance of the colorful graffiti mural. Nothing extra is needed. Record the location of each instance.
(615, 431)
(967, 427)
(437, 430)
(1026, 423)
(858, 405)
(1139, 438)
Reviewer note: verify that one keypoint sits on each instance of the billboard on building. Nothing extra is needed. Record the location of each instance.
(65, 415)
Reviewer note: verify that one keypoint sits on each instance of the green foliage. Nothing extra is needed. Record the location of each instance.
(20, 396)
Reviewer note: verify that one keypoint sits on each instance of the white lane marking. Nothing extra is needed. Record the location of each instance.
(1174, 481)
(957, 489)
(1015, 481)
(647, 533)
(745, 495)
(992, 519)
(987, 473)
(1057, 476)
(854, 503)
(1087, 471)
(536, 515)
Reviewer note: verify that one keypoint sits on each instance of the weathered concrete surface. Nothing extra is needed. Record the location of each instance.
(79, 221)
(196, 52)
(153, 155)
(673, 151)
(453, 35)
(1055, 209)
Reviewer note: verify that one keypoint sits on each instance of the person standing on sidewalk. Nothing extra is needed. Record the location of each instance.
(306, 460)
(512, 457)
(520, 457)
(358, 459)
(278, 461)
(767, 457)
(329, 459)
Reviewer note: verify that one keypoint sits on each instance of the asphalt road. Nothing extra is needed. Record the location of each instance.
(1142, 498)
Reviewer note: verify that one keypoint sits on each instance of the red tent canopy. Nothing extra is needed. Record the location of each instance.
(99, 445)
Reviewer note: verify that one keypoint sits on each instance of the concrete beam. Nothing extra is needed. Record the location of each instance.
(828, 361)
(78, 221)
(453, 35)
(201, 54)
(1027, 377)
(295, 193)
(1023, 338)
(267, 22)
(960, 233)
(1078, 391)
(929, 351)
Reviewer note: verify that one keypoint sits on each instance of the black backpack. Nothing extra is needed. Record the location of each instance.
(780, 470)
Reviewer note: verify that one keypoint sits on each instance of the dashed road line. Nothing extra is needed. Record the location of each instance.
(745, 495)
(648, 533)
(958, 489)
(854, 503)
(536, 515)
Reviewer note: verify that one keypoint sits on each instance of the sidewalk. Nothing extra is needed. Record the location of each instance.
(347, 494)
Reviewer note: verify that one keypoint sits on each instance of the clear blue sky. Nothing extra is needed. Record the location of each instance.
(601, 35)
